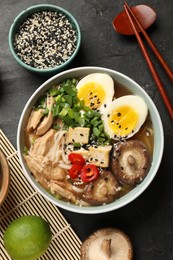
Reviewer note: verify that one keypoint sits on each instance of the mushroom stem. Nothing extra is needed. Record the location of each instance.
(131, 160)
(106, 247)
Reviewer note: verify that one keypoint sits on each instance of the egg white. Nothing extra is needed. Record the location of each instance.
(124, 116)
(97, 90)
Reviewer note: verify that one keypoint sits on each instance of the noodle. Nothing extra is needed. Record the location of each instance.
(57, 153)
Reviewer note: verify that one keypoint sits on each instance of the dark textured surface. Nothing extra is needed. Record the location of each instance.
(149, 219)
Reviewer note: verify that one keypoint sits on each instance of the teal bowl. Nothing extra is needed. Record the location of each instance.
(157, 129)
(22, 17)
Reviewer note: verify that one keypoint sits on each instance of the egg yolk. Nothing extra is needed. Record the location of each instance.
(93, 95)
(123, 121)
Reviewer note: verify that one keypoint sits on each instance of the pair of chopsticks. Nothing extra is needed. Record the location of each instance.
(135, 26)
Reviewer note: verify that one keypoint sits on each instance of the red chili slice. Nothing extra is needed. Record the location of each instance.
(76, 158)
(75, 170)
(89, 173)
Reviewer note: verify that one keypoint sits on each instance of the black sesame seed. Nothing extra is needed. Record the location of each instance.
(45, 39)
(104, 105)
(119, 114)
(108, 115)
(81, 134)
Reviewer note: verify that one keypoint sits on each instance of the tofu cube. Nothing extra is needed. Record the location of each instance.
(100, 155)
(78, 135)
(85, 153)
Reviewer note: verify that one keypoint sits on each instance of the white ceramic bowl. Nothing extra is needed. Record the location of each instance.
(158, 139)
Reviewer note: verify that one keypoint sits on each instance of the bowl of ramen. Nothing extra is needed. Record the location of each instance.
(4, 177)
(90, 140)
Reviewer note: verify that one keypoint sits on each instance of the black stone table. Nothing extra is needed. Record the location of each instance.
(149, 219)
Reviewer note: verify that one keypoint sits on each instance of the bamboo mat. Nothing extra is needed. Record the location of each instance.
(22, 200)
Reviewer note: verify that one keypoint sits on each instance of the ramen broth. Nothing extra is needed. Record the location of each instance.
(145, 134)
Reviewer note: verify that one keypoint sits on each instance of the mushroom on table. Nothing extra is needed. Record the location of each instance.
(107, 244)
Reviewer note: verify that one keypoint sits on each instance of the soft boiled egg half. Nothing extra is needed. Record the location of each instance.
(124, 116)
(96, 90)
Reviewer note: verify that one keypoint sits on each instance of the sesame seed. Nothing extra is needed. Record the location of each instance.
(119, 114)
(45, 39)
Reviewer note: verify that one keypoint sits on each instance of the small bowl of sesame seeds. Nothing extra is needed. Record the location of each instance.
(44, 39)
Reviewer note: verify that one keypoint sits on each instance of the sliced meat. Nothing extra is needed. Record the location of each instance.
(131, 161)
(60, 188)
(43, 167)
(43, 144)
(103, 190)
(48, 120)
(34, 120)
(107, 244)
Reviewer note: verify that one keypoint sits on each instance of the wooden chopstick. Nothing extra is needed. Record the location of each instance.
(150, 64)
(151, 44)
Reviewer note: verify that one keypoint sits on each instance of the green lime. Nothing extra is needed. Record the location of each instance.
(27, 238)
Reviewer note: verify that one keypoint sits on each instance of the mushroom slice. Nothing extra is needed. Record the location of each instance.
(103, 190)
(107, 244)
(131, 162)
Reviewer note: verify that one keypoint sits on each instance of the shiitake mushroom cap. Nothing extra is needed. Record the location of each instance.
(103, 190)
(131, 161)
